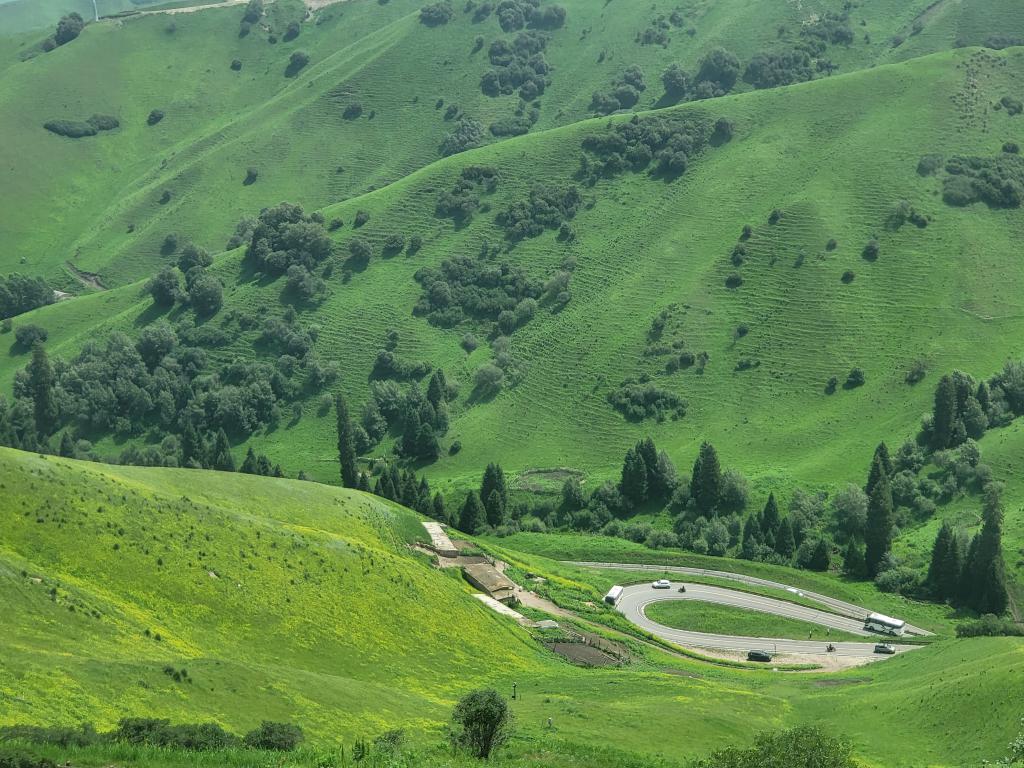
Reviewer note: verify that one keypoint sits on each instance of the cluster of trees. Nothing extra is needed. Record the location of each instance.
(514, 15)
(487, 507)
(203, 292)
(624, 92)
(156, 384)
(639, 399)
(964, 408)
(478, 288)
(517, 65)
(463, 199)
(154, 732)
(777, 68)
(667, 143)
(21, 293)
(547, 207)
(972, 575)
(996, 181)
(402, 486)
(436, 14)
(76, 129)
(467, 134)
(285, 236)
(68, 28)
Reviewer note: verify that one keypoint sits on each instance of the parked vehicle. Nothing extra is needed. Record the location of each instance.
(759, 656)
(885, 648)
(662, 584)
(876, 622)
(613, 595)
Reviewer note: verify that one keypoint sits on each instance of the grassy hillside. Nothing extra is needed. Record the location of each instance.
(96, 201)
(834, 156)
(297, 602)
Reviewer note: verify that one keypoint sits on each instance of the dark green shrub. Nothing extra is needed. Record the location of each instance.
(68, 28)
(296, 62)
(871, 250)
(155, 117)
(236, 64)
(280, 737)
(436, 14)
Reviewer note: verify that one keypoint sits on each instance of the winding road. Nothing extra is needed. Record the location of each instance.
(841, 616)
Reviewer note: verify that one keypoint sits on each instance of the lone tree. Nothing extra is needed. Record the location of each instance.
(481, 722)
(706, 482)
(880, 464)
(346, 444)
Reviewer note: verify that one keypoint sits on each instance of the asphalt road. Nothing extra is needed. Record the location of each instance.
(838, 606)
(636, 598)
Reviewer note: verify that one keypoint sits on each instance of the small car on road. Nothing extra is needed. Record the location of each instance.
(759, 656)
(662, 584)
(885, 648)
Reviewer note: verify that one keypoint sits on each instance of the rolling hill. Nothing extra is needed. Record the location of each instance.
(105, 204)
(834, 158)
(278, 599)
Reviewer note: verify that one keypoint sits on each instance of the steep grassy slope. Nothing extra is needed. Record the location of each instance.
(77, 199)
(299, 602)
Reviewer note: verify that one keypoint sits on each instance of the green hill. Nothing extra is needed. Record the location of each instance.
(295, 601)
(834, 157)
(99, 203)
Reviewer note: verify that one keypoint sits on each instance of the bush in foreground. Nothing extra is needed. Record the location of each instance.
(481, 722)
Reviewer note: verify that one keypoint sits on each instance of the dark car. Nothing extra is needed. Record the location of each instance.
(759, 656)
(885, 648)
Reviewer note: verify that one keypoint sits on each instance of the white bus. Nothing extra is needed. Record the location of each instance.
(876, 622)
(613, 595)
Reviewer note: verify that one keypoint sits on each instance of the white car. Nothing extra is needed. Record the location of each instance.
(661, 584)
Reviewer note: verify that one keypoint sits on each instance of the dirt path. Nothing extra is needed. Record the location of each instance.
(88, 279)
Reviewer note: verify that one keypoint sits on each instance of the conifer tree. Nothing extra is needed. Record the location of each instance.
(494, 481)
(364, 482)
(986, 570)
(220, 454)
(655, 483)
(346, 443)
(494, 510)
(438, 511)
(471, 519)
(785, 543)
(880, 463)
(67, 446)
(437, 389)
(427, 448)
(945, 569)
(853, 560)
(249, 463)
(770, 521)
(633, 484)
(40, 382)
(878, 528)
(751, 538)
(706, 482)
(944, 413)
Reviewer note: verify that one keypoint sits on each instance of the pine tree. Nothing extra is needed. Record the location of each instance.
(785, 543)
(387, 487)
(220, 453)
(364, 482)
(770, 521)
(437, 389)
(706, 482)
(346, 444)
(67, 446)
(471, 519)
(944, 413)
(438, 510)
(988, 578)
(277, 472)
(494, 510)
(249, 464)
(633, 484)
(427, 448)
(395, 484)
(494, 481)
(751, 538)
(192, 447)
(853, 561)
(410, 433)
(881, 463)
(878, 529)
(655, 482)
(821, 556)
(984, 396)
(944, 571)
(263, 468)
(40, 383)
